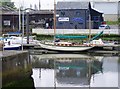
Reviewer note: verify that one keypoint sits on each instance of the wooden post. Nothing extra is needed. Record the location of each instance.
(19, 17)
(89, 26)
(22, 26)
(27, 26)
(54, 19)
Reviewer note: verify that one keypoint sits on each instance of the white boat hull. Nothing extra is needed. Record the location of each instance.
(65, 48)
(12, 47)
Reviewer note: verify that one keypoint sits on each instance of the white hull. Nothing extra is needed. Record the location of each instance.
(65, 48)
(12, 47)
(20, 40)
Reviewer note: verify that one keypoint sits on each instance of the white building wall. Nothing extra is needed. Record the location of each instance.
(109, 9)
(73, 31)
(119, 9)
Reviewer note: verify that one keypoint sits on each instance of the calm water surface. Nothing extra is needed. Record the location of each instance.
(75, 70)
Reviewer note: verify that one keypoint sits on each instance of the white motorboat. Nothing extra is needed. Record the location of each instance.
(12, 47)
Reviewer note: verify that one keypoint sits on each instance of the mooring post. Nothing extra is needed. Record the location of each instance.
(27, 26)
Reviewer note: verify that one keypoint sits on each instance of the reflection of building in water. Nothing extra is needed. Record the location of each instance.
(77, 71)
(74, 69)
(46, 60)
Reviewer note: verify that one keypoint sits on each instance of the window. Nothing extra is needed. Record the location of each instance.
(6, 22)
(96, 18)
(60, 23)
(63, 13)
(80, 23)
(77, 13)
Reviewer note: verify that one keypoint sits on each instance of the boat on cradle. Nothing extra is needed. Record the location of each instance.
(66, 46)
(72, 47)
(57, 45)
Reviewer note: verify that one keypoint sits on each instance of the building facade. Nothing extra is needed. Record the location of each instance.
(10, 19)
(72, 19)
(75, 15)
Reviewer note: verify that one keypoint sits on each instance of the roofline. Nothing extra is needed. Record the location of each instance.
(106, 1)
(31, 12)
(72, 9)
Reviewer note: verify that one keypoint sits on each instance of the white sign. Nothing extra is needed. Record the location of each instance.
(63, 19)
(6, 22)
(57, 15)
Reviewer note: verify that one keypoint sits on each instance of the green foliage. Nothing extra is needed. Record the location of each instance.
(7, 3)
(5, 0)
(104, 37)
(112, 22)
(44, 37)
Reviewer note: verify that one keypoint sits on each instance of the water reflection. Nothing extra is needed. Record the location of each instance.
(16, 71)
(74, 70)
(77, 72)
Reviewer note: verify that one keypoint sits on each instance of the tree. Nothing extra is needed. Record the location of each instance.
(7, 3)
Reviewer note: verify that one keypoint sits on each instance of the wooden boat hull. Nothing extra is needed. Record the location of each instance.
(65, 48)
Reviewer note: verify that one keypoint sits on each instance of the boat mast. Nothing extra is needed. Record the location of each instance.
(22, 24)
(54, 19)
(19, 17)
(89, 25)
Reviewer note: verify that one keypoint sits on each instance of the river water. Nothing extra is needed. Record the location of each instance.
(75, 70)
(62, 70)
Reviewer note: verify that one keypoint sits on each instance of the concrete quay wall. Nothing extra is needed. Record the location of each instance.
(15, 66)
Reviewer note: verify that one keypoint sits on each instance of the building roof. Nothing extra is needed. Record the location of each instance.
(31, 12)
(41, 12)
(72, 5)
(6, 8)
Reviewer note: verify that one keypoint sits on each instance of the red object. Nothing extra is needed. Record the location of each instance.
(103, 22)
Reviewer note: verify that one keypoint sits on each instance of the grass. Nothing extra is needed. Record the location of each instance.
(44, 37)
(104, 37)
(112, 22)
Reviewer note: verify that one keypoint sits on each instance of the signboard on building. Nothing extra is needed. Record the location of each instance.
(6, 22)
(63, 19)
(78, 19)
(57, 15)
